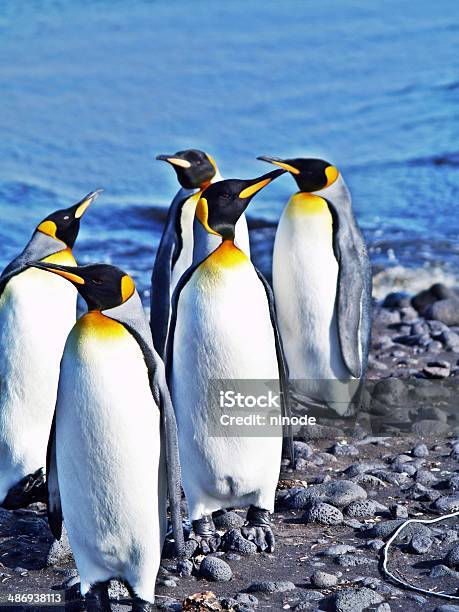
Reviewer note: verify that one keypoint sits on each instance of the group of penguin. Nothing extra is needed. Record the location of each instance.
(118, 409)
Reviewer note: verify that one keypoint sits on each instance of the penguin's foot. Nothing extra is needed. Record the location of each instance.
(258, 529)
(97, 599)
(140, 605)
(28, 490)
(205, 534)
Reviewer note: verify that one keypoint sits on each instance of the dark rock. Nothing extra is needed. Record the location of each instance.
(398, 511)
(447, 503)
(344, 450)
(227, 520)
(414, 340)
(244, 599)
(361, 509)
(353, 560)
(322, 513)
(449, 339)
(446, 311)
(420, 450)
(442, 571)
(339, 493)
(320, 432)
(422, 300)
(215, 569)
(425, 477)
(452, 557)
(190, 548)
(322, 580)
(355, 600)
(390, 391)
(375, 544)
(336, 550)
(428, 427)
(233, 541)
(184, 567)
(386, 528)
(397, 299)
(420, 544)
(268, 586)
(437, 370)
(302, 450)
(447, 608)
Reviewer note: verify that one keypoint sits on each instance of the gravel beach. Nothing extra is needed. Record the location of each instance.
(354, 482)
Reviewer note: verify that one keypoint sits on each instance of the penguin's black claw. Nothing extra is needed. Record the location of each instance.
(206, 544)
(30, 489)
(205, 534)
(140, 605)
(97, 599)
(258, 529)
(263, 537)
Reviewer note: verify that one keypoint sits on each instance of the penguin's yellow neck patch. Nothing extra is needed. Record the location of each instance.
(96, 325)
(307, 204)
(226, 256)
(64, 258)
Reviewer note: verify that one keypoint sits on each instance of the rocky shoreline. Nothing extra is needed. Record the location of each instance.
(353, 483)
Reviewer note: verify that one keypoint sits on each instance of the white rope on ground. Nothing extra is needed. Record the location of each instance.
(403, 582)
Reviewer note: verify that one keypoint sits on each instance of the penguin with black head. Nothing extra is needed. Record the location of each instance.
(223, 328)
(322, 288)
(195, 171)
(37, 311)
(113, 452)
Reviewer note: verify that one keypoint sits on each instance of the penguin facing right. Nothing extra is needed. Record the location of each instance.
(322, 289)
(112, 452)
(223, 327)
(195, 170)
(37, 311)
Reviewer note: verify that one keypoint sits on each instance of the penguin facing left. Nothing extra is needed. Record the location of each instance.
(37, 311)
(223, 327)
(195, 171)
(112, 452)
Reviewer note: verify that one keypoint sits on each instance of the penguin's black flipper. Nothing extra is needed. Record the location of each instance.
(289, 450)
(39, 247)
(132, 316)
(354, 281)
(52, 485)
(167, 254)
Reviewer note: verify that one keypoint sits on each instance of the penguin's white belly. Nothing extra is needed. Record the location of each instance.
(223, 331)
(111, 476)
(185, 257)
(305, 276)
(37, 311)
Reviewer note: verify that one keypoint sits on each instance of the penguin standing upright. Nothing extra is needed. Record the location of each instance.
(195, 171)
(37, 311)
(223, 328)
(322, 287)
(113, 434)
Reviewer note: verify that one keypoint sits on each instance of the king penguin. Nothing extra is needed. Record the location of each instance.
(195, 171)
(113, 451)
(37, 311)
(322, 288)
(223, 328)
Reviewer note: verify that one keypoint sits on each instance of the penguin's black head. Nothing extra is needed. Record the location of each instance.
(102, 286)
(310, 174)
(195, 169)
(222, 203)
(64, 224)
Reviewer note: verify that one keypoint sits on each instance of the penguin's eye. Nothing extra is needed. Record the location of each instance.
(97, 281)
(66, 218)
(225, 196)
(198, 162)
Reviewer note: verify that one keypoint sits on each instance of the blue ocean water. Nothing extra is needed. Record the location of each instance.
(91, 91)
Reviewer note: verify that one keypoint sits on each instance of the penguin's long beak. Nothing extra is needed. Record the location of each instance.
(279, 162)
(71, 273)
(253, 186)
(82, 205)
(174, 160)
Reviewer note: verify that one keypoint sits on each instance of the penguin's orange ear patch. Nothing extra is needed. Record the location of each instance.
(202, 213)
(127, 287)
(49, 228)
(332, 174)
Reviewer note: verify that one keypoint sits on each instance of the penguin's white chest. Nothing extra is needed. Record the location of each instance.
(223, 331)
(305, 277)
(108, 456)
(37, 311)
(185, 257)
